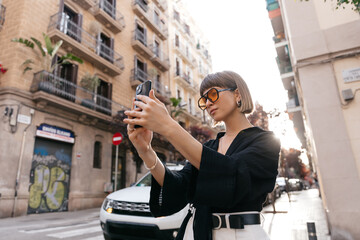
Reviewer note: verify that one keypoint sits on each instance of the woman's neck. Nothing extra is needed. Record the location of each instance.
(236, 123)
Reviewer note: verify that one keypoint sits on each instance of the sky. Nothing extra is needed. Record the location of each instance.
(240, 39)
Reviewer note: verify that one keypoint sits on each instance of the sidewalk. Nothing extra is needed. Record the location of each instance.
(289, 221)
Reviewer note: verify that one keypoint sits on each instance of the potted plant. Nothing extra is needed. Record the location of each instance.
(48, 63)
(90, 83)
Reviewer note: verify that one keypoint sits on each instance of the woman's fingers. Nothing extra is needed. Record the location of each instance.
(153, 97)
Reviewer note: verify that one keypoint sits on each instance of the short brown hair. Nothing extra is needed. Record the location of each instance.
(229, 79)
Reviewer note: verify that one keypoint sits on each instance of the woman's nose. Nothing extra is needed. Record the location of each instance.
(208, 103)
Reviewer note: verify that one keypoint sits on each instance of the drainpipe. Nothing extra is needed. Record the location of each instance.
(19, 165)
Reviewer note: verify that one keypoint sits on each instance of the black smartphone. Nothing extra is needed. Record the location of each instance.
(142, 89)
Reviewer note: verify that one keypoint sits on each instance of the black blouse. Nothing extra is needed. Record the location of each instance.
(235, 182)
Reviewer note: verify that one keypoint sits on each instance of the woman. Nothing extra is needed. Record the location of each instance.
(227, 179)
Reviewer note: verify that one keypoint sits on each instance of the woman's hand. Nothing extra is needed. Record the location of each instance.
(140, 137)
(154, 115)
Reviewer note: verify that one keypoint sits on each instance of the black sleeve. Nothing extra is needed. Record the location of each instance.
(170, 198)
(223, 181)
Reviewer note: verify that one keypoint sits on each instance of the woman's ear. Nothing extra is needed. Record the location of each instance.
(237, 95)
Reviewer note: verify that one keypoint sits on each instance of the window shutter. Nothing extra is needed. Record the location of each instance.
(61, 6)
(74, 73)
(109, 91)
(112, 50)
(80, 22)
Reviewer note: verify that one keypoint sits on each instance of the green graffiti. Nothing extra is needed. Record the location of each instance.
(48, 186)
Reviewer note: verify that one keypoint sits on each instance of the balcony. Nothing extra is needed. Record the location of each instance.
(183, 79)
(293, 105)
(184, 53)
(107, 14)
(146, 14)
(286, 72)
(162, 92)
(49, 89)
(2, 15)
(139, 43)
(138, 76)
(161, 4)
(81, 43)
(160, 59)
(85, 4)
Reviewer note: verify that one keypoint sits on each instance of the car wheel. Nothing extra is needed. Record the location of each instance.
(106, 237)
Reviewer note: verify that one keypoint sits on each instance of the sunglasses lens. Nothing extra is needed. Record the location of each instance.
(202, 103)
(212, 95)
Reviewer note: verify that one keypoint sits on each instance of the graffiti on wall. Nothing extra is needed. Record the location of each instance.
(49, 177)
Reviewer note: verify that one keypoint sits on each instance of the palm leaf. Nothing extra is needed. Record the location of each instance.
(48, 44)
(27, 69)
(71, 57)
(26, 42)
(28, 61)
(38, 43)
(56, 48)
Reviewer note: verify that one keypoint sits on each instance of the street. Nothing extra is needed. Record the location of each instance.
(83, 225)
(289, 222)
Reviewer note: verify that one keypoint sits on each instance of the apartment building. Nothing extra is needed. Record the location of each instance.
(57, 126)
(322, 76)
(190, 61)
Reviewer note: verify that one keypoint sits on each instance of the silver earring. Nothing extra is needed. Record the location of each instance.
(239, 104)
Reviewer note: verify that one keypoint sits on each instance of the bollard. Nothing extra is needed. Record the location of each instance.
(311, 231)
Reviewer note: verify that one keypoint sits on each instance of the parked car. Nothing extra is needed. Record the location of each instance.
(125, 214)
(281, 181)
(295, 184)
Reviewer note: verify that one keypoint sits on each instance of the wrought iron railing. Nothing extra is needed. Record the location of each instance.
(140, 36)
(184, 76)
(142, 4)
(138, 74)
(111, 10)
(62, 23)
(161, 88)
(2, 15)
(152, 17)
(160, 54)
(183, 51)
(52, 84)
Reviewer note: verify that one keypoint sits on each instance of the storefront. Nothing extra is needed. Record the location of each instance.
(50, 170)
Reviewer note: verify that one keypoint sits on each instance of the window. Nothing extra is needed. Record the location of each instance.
(177, 67)
(157, 48)
(67, 74)
(97, 155)
(140, 70)
(109, 6)
(177, 16)
(187, 29)
(106, 45)
(143, 4)
(157, 18)
(71, 23)
(190, 105)
(177, 40)
(103, 99)
(140, 34)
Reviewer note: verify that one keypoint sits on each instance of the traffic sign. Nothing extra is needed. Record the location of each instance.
(117, 138)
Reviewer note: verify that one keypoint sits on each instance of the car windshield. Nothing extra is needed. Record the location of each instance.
(145, 182)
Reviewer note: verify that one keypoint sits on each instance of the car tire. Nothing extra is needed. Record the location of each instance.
(106, 237)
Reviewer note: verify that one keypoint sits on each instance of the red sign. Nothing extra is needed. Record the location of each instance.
(117, 138)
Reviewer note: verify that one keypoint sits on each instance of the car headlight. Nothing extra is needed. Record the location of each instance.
(108, 205)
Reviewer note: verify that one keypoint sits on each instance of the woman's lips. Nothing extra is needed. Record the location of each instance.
(212, 111)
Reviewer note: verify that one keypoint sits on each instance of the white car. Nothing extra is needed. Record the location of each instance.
(125, 214)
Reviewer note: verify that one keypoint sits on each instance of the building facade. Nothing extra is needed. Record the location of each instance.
(323, 72)
(56, 151)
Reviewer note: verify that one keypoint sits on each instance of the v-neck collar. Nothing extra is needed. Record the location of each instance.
(233, 144)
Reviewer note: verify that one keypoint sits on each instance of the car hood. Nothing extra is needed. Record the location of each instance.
(132, 194)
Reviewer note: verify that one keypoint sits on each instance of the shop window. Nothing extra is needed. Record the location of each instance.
(97, 155)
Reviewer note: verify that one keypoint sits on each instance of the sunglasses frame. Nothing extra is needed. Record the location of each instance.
(205, 95)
